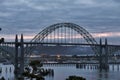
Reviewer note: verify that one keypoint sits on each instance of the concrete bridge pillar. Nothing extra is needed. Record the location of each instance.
(106, 55)
(17, 45)
(22, 55)
(16, 54)
(100, 55)
(103, 56)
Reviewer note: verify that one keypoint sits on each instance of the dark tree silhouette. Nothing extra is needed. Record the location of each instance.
(75, 78)
(35, 73)
(2, 78)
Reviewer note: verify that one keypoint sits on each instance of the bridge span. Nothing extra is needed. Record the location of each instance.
(42, 43)
(59, 34)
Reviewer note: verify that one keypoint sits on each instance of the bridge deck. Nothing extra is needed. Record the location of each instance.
(85, 44)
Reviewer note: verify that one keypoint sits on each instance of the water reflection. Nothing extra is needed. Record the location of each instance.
(7, 71)
(61, 72)
(103, 75)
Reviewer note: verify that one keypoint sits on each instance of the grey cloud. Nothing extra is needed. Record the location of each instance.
(116, 1)
(19, 16)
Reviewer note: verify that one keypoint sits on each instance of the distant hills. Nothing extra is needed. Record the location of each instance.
(54, 50)
(63, 50)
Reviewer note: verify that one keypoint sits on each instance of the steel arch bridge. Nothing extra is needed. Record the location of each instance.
(80, 30)
(39, 38)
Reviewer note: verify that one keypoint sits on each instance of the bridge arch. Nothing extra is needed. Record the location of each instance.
(80, 30)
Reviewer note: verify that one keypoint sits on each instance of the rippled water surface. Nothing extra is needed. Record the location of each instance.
(7, 71)
(61, 72)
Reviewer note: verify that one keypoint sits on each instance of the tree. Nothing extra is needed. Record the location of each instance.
(2, 78)
(75, 78)
(35, 73)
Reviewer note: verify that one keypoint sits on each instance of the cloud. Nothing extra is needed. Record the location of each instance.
(10, 37)
(11, 3)
(97, 3)
(43, 5)
(28, 37)
(5, 14)
(85, 2)
(33, 5)
(106, 34)
(32, 16)
(117, 1)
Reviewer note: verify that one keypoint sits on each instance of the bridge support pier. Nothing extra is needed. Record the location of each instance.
(16, 55)
(22, 55)
(103, 56)
(21, 67)
(106, 55)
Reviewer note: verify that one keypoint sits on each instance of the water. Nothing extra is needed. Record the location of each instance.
(61, 72)
(7, 71)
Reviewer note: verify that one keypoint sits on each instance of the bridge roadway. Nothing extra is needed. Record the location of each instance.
(85, 44)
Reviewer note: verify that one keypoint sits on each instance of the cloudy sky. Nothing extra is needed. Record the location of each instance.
(29, 17)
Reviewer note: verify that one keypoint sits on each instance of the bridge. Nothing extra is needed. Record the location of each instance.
(60, 34)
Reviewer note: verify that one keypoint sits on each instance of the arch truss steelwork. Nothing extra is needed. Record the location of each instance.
(80, 30)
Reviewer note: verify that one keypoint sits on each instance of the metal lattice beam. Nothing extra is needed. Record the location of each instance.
(80, 30)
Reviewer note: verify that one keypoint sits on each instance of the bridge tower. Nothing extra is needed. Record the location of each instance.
(22, 55)
(21, 61)
(103, 56)
(16, 55)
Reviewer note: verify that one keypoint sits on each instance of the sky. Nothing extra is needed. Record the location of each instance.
(99, 17)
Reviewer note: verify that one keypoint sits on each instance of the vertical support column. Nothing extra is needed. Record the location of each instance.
(65, 36)
(22, 55)
(106, 55)
(100, 55)
(27, 52)
(16, 54)
(53, 35)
